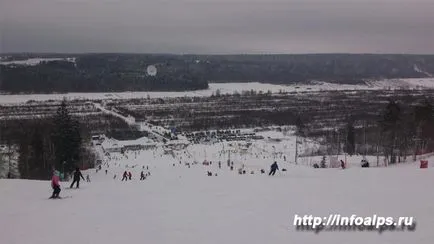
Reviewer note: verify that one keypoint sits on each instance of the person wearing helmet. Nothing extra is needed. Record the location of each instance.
(55, 184)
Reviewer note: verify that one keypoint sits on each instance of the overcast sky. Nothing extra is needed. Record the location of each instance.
(218, 26)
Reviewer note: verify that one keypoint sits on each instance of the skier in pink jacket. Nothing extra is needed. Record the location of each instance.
(55, 184)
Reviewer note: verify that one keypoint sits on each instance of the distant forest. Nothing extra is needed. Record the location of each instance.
(127, 72)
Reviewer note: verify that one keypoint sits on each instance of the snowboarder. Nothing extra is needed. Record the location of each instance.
(142, 176)
(55, 184)
(125, 176)
(87, 178)
(77, 176)
(273, 168)
(130, 175)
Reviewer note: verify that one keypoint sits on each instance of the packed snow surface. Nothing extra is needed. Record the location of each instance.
(178, 203)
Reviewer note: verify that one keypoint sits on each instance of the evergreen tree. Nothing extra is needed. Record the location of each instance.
(424, 121)
(66, 138)
(300, 126)
(23, 159)
(350, 146)
(390, 124)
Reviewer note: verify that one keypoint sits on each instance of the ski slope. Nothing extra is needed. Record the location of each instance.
(182, 205)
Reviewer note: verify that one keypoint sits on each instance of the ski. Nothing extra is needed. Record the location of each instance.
(60, 197)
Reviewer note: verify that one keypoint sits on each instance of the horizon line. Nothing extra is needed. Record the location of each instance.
(213, 54)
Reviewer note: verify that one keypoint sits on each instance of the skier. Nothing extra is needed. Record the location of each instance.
(77, 176)
(125, 176)
(106, 171)
(365, 163)
(55, 185)
(142, 176)
(88, 178)
(130, 175)
(323, 162)
(342, 164)
(273, 168)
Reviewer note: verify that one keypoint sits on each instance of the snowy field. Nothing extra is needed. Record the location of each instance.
(178, 203)
(35, 61)
(230, 88)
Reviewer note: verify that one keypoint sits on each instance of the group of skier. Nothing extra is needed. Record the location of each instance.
(77, 176)
(55, 181)
(128, 176)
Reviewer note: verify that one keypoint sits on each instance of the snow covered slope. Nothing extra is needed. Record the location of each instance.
(180, 204)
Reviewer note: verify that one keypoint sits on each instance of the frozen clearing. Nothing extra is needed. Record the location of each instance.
(229, 88)
(181, 205)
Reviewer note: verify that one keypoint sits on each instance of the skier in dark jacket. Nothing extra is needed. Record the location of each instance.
(273, 168)
(125, 176)
(77, 176)
(342, 164)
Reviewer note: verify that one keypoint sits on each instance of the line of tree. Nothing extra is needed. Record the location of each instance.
(107, 76)
(127, 72)
(399, 132)
(407, 132)
(52, 143)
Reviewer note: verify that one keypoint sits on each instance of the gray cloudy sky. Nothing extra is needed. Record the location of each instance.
(212, 26)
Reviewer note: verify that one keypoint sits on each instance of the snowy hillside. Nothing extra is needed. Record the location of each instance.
(230, 88)
(35, 61)
(178, 203)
